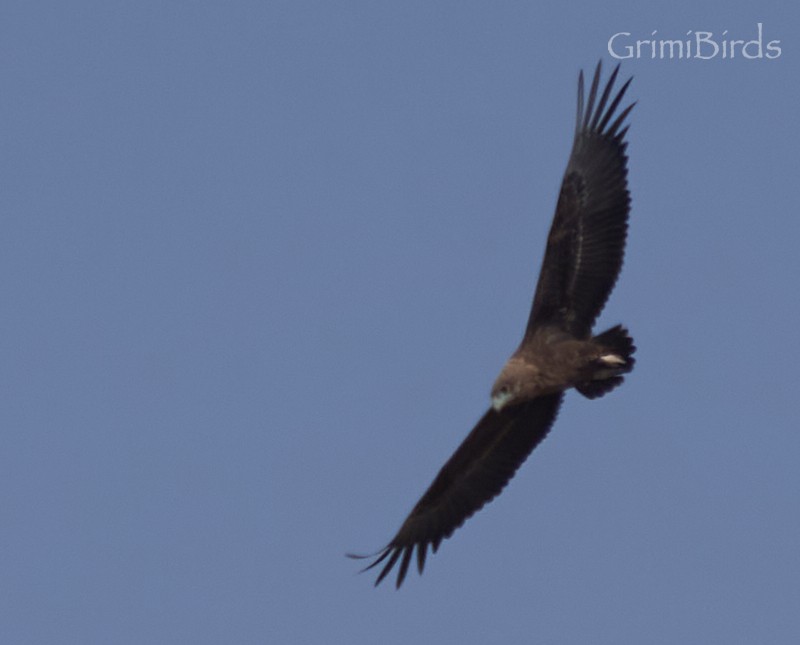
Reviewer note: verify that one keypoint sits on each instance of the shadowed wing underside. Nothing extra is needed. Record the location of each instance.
(586, 243)
(476, 473)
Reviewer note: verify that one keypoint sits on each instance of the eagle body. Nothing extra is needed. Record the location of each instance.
(559, 350)
(553, 360)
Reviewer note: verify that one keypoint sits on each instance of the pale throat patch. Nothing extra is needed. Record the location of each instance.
(499, 400)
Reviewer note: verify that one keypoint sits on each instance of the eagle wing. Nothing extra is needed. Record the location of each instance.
(476, 473)
(586, 243)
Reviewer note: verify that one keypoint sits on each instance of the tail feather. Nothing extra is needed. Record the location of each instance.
(617, 359)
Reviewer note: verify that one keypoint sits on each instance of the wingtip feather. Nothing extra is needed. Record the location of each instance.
(389, 565)
(401, 574)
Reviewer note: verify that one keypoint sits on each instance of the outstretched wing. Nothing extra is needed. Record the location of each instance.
(476, 473)
(587, 238)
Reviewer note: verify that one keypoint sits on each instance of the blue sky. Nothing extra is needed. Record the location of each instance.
(261, 262)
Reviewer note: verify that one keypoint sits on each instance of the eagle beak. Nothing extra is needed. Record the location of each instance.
(500, 399)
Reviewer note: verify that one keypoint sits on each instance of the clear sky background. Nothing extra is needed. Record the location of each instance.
(260, 263)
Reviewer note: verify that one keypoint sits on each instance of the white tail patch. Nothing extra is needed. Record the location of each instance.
(612, 359)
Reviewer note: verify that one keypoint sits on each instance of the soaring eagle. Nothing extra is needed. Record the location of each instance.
(582, 260)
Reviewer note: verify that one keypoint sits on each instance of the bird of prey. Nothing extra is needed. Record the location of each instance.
(582, 260)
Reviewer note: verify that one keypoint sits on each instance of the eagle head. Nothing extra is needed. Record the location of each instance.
(502, 393)
(516, 384)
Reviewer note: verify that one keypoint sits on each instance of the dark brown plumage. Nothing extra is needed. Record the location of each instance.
(582, 260)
